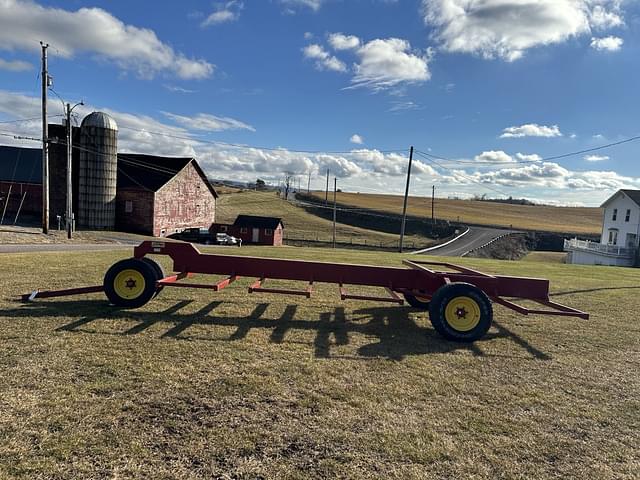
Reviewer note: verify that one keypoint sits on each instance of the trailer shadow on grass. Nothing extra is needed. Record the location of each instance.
(397, 333)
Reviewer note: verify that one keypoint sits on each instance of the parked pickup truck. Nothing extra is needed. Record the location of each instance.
(202, 235)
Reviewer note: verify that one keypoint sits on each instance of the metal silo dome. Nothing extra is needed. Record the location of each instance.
(100, 120)
(98, 170)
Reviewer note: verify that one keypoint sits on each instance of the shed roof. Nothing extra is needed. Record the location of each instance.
(19, 164)
(257, 222)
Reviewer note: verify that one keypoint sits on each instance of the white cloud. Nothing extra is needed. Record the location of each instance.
(596, 158)
(389, 63)
(324, 60)
(531, 130)
(493, 156)
(609, 44)
(207, 122)
(15, 65)
(357, 139)
(225, 12)
(94, 31)
(340, 41)
(403, 106)
(506, 29)
(534, 157)
(312, 4)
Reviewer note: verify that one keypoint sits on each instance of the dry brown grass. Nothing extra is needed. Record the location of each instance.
(196, 386)
(301, 224)
(539, 217)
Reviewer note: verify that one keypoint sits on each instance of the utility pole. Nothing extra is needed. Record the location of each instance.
(335, 189)
(433, 202)
(326, 193)
(45, 139)
(69, 162)
(309, 183)
(406, 197)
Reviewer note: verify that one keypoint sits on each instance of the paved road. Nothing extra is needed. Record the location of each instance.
(59, 247)
(477, 237)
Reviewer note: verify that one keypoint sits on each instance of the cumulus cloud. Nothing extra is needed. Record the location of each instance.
(94, 31)
(224, 12)
(493, 156)
(207, 122)
(609, 44)
(361, 169)
(355, 138)
(339, 41)
(506, 29)
(386, 63)
(596, 158)
(323, 59)
(531, 130)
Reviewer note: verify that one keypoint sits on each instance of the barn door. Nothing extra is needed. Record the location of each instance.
(255, 238)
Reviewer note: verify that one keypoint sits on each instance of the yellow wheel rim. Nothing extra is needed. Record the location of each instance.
(129, 284)
(463, 314)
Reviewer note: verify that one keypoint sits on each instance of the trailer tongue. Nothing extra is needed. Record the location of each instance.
(459, 299)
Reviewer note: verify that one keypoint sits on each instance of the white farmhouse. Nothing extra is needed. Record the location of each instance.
(620, 234)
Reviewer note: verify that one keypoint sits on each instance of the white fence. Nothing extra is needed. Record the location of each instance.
(575, 244)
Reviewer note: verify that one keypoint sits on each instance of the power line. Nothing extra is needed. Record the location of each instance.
(594, 149)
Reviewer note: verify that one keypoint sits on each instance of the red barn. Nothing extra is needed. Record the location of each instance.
(254, 229)
(162, 195)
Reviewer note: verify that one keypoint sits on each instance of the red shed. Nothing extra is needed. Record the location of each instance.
(258, 230)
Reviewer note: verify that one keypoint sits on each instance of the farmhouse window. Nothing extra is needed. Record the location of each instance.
(128, 206)
(243, 230)
(615, 214)
(613, 237)
(268, 232)
(628, 215)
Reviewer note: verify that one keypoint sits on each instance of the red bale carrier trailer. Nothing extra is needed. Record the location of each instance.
(458, 299)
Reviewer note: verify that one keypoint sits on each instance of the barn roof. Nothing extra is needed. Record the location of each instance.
(19, 164)
(151, 172)
(257, 222)
(634, 195)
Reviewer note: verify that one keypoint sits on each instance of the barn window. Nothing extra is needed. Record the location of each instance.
(128, 206)
(268, 232)
(615, 214)
(223, 228)
(243, 230)
(628, 215)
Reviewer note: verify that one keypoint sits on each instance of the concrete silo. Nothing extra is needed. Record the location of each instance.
(98, 168)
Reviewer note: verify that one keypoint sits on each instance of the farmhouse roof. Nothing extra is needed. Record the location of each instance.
(257, 222)
(632, 194)
(151, 172)
(19, 164)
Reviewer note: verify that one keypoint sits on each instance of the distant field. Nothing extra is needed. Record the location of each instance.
(552, 219)
(301, 224)
(197, 385)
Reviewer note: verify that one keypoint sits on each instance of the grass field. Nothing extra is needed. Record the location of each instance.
(539, 217)
(196, 386)
(301, 224)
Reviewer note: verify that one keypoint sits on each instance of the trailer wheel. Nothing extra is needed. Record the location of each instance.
(157, 270)
(130, 283)
(461, 312)
(416, 301)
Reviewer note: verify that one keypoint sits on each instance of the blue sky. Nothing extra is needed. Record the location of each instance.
(494, 86)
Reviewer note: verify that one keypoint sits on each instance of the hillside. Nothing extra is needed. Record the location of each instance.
(584, 220)
(300, 224)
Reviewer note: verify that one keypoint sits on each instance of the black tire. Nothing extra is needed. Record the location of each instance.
(417, 302)
(134, 291)
(472, 316)
(157, 270)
